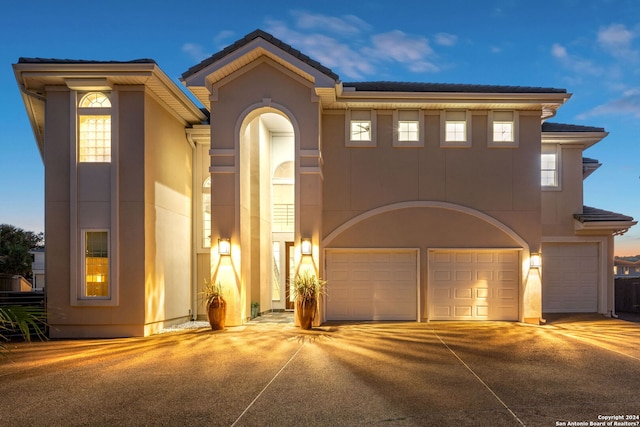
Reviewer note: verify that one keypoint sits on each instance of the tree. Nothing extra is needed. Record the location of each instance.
(15, 244)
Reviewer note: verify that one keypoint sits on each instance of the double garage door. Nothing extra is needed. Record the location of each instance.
(383, 285)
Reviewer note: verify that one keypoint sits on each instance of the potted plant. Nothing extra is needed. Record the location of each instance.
(255, 309)
(215, 304)
(307, 288)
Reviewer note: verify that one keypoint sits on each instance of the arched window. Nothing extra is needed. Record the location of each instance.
(206, 213)
(94, 124)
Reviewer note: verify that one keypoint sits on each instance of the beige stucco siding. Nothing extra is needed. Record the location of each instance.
(57, 218)
(562, 203)
(496, 181)
(168, 206)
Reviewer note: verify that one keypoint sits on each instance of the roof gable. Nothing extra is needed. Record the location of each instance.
(202, 78)
(249, 38)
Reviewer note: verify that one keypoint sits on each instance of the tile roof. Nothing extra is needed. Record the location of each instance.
(562, 127)
(271, 39)
(386, 86)
(588, 160)
(81, 61)
(590, 214)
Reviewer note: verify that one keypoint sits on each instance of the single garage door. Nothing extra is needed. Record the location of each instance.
(570, 277)
(473, 285)
(372, 284)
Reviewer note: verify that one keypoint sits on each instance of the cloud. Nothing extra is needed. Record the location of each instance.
(616, 39)
(575, 63)
(195, 51)
(445, 39)
(627, 104)
(344, 25)
(346, 44)
(327, 50)
(558, 51)
(398, 47)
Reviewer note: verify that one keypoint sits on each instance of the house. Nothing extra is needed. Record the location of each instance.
(37, 266)
(416, 201)
(623, 268)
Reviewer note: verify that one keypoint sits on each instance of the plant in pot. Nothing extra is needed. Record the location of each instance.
(307, 289)
(215, 304)
(255, 309)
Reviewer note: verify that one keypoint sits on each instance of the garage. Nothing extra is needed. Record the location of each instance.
(473, 285)
(570, 277)
(372, 284)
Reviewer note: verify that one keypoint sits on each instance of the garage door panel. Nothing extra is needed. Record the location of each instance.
(570, 278)
(380, 284)
(473, 285)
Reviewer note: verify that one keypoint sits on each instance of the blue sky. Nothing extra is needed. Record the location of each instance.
(589, 47)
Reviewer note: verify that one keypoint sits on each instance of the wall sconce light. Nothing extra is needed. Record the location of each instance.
(535, 261)
(224, 246)
(306, 247)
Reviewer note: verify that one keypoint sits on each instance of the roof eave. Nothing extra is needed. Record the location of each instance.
(586, 139)
(548, 102)
(617, 228)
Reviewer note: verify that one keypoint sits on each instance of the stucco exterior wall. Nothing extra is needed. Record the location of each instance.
(168, 205)
(501, 182)
(559, 205)
(57, 134)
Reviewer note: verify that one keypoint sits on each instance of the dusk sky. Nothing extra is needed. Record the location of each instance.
(589, 47)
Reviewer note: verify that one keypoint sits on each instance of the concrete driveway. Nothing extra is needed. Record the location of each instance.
(575, 369)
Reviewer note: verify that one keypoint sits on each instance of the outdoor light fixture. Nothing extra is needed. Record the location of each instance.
(306, 247)
(536, 261)
(224, 246)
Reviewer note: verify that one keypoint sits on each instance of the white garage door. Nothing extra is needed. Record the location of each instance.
(473, 285)
(570, 278)
(372, 285)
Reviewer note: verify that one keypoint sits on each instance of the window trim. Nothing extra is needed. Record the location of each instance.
(88, 111)
(360, 116)
(552, 149)
(447, 116)
(495, 117)
(83, 266)
(402, 116)
(203, 220)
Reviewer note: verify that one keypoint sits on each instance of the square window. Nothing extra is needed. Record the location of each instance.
(456, 131)
(503, 131)
(360, 130)
(408, 131)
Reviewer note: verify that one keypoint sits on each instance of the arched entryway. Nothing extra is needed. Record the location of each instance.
(267, 206)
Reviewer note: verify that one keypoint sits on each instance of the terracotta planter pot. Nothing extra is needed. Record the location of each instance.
(217, 313)
(305, 312)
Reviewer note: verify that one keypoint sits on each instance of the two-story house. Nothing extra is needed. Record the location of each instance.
(416, 201)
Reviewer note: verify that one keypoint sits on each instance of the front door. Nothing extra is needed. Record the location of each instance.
(289, 268)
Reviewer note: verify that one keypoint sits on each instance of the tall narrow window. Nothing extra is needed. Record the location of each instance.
(206, 213)
(96, 264)
(549, 168)
(94, 122)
